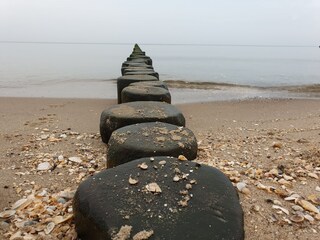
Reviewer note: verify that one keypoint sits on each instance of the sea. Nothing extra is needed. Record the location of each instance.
(89, 70)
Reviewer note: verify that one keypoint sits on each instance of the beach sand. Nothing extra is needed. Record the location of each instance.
(257, 143)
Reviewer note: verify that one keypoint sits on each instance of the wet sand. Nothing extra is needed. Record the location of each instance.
(270, 146)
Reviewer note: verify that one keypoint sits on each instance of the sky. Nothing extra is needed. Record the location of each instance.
(243, 22)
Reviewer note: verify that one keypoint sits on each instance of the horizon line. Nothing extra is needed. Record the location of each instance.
(160, 44)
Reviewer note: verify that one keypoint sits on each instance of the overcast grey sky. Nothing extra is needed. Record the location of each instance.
(275, 22)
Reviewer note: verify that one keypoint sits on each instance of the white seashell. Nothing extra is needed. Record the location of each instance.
(280, 208)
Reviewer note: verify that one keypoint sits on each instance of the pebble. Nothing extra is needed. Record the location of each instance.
(75, 159)
(44, 166)
(61, 200)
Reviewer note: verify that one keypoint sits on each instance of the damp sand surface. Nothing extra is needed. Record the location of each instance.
(269, 149)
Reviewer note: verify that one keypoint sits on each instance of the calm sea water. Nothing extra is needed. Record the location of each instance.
(45, 68)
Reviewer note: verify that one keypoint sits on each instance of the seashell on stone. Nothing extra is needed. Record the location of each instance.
(143, 235)
(176, 178)
(163, 162)
(153, 187)
(182, 158)
(133, 181)
(143, 166)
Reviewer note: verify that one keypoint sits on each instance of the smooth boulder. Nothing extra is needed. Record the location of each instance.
(145, 93)
(168, 198)
(125, 114)
(125, 81)
(150, 84)
(150, 139)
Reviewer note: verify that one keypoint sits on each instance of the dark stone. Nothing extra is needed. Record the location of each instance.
(151, 83)
(136, 64)
(146, 93)
(150, 139)
(123, 69)
(135, 69)
(125, 114)
(151, 73)
(149, 60)
(125, 81)
(105, 202)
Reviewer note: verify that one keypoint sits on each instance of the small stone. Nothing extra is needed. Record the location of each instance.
(188, 186)
(241, 185)
(61, 200)
(318, 189)
(256, 208)
(44, 166)
(277, 145)
(75, 159)
(143, 166)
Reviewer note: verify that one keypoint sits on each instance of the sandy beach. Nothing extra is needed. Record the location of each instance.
(269, 149)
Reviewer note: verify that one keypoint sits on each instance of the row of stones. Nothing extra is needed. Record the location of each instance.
(148, 190)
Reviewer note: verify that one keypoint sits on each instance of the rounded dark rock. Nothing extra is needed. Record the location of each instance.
(137, 69)
(125, 114)
(202, 204)
(125, 81)
(145, 93)
(150, 83)
(135, 64)
(152, 73)
(150, 139)
(145, 59)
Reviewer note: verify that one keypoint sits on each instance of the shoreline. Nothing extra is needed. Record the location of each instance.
(181, 91)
